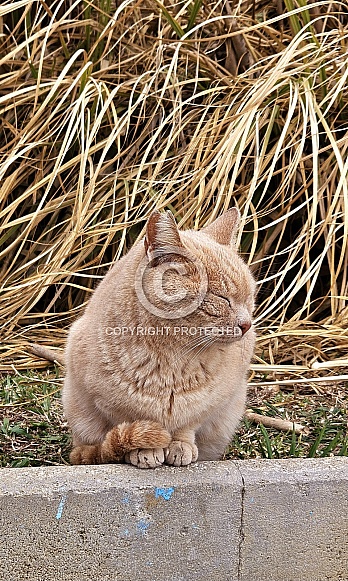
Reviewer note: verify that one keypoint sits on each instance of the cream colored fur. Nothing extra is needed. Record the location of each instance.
(193, 388)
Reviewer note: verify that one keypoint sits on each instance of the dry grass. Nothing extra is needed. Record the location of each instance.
(111, 109)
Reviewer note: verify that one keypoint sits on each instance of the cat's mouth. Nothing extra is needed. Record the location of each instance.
(226, 339)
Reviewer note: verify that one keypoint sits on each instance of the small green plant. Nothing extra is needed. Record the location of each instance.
(324, 418)
(32, 430)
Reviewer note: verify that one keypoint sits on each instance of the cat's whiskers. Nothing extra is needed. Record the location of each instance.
(203, 343)
(209, 343)
(195, 342)
(182, 351)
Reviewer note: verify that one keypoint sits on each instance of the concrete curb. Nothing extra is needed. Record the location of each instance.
(266, 520)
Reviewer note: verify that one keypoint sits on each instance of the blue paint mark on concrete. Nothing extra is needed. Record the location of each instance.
(125, 499)
(310, 512)
(165, 493)
(61, 507)
(142, 526)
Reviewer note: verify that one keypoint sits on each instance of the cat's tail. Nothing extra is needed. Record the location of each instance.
(127, 437)
(121, 440)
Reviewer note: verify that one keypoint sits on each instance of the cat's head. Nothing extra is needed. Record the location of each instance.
(196, 279)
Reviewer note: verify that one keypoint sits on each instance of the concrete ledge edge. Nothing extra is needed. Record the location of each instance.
(252, 520)
(50, 479)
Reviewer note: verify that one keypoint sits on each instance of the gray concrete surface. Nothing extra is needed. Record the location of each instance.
(268, 520)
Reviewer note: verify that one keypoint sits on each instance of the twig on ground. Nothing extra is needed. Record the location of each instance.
(302, 380)
(46, 353)
(277, 423)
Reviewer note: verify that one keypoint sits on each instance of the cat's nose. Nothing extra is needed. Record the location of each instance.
(244, 327)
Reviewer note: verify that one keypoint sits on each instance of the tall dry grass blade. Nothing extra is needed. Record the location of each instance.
(111, 109)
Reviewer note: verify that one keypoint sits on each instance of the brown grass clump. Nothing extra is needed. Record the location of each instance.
(111, 109)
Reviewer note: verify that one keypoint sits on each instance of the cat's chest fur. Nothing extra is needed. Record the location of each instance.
(166, 387)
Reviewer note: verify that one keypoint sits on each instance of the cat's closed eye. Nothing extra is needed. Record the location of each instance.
(223, 298)
(215, 305)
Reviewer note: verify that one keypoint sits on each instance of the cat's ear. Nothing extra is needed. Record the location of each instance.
(162, 236)
(224, 229)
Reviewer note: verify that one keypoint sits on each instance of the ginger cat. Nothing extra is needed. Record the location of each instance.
(157, 365)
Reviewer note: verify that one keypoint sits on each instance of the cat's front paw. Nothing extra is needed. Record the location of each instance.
(181, 453)
(145, 458)
(85, 455)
